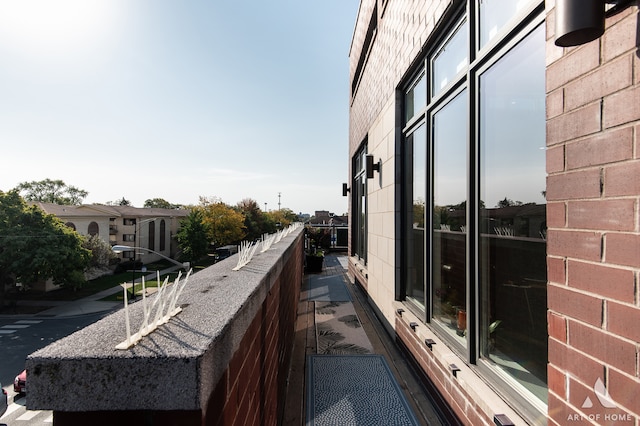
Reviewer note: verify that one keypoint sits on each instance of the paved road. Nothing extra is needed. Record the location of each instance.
(19, 337)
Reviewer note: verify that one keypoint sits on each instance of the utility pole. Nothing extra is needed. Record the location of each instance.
(279, 200)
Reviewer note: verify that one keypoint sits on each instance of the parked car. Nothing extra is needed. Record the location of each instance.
(20, 383)
(3, 401)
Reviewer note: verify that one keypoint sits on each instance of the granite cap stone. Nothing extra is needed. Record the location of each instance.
(176, 367)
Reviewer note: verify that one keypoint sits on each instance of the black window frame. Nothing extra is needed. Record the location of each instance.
(359, 204)
(480, 58)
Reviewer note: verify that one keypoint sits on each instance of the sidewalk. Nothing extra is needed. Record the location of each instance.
(87, 305)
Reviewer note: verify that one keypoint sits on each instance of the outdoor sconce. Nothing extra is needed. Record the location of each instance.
(371, 166)
(581, 21)
(345, 189)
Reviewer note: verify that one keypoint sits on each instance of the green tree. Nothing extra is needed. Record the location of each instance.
(254, 220)
(277, 219)
(36, 246)
(159, 203)
(51, 191)
(193, 236)
(224, 224)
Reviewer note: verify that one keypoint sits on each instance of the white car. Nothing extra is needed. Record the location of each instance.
(3, 401)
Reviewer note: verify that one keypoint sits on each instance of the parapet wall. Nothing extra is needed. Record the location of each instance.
(222, 360)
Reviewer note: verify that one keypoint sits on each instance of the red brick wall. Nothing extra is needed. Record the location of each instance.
(251, 391)
(463, 405)
(593, 195)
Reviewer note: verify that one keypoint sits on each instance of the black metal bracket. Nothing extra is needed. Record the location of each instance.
(413, 325)
(399, 311)
(429, 343)
(454, 369)
(502, 420)
(616, 6)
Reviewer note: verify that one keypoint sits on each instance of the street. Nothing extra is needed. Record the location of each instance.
(19, 337)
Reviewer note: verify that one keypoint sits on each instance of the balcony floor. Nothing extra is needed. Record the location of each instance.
(381, 343)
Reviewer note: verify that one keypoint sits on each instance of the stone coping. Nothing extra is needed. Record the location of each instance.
(176, 367)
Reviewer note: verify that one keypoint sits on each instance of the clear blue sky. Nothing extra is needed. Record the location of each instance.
(178, 99)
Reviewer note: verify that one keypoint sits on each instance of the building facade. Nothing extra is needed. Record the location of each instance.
(150, 228)
(494, 196)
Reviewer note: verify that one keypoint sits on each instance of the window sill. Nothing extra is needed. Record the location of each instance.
(448, 370)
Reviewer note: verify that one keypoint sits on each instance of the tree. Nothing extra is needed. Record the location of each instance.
(160, 203)
(277, 219)
(101, 252)
(507, 202)
(52, 191)
(36, 246)
(193, 236)
(123, 202)
(224, 224)
(253, 218)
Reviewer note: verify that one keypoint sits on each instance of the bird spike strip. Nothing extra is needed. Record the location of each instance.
(164, 306)
(247, 249)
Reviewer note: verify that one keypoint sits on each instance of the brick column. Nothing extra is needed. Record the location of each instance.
(593, 195)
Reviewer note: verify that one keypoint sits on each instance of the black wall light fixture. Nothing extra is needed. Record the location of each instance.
(345, 189)
(371, 166)
(581, 21)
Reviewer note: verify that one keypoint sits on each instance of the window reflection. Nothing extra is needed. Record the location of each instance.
(450, 60)
(495, 14)
(416, 178)
(359, 200)
(415, 98)
(512, 219)
(449, 216)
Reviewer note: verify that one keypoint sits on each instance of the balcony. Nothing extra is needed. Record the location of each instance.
(236, 354)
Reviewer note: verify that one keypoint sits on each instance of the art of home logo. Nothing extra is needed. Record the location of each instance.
(604, 400)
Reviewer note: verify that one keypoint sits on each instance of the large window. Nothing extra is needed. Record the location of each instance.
(415, 194)
(474, 227)
(512, 220)
(359, 205)
(448, 216)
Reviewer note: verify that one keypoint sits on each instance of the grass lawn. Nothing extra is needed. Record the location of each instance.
(104, 283)
(116, 297)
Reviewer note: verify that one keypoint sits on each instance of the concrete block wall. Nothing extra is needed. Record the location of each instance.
(403, 27)
(593, 194)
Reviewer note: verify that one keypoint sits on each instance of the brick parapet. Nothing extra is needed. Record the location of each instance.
(222, 361)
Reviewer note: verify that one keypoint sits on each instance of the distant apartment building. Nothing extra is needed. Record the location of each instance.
(149, 228)
(494, 202)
